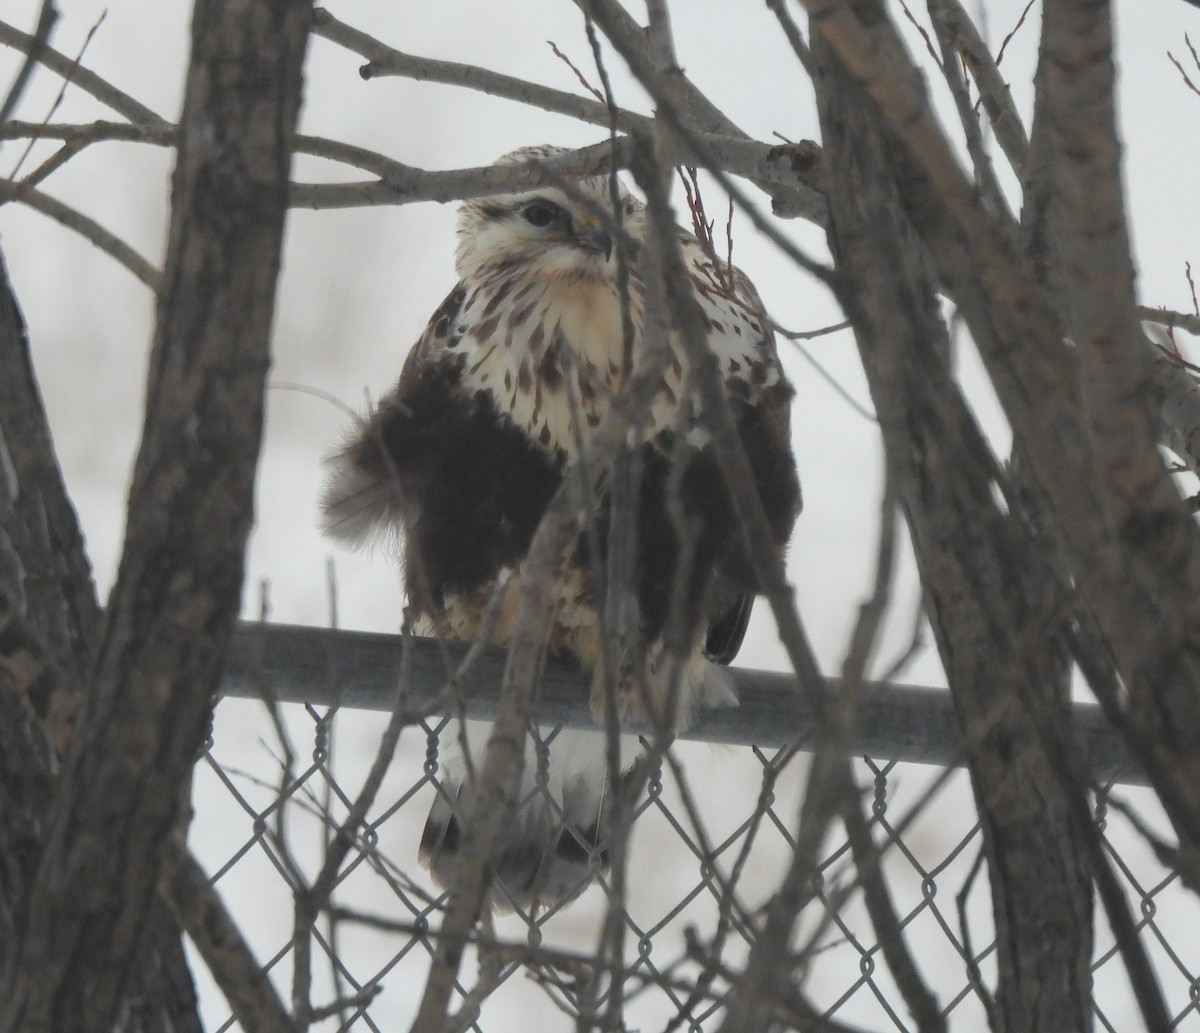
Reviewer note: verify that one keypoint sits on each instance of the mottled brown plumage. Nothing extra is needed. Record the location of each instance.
(516, 367)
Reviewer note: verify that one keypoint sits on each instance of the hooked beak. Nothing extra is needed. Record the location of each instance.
(598, 240)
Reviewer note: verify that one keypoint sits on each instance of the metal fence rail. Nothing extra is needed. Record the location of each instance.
(264, 815)
(363, 670)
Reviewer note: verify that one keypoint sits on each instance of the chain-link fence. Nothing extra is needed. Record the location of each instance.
(712, 835)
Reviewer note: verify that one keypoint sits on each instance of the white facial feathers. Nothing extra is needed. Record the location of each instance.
(541, 327)
(545, 232)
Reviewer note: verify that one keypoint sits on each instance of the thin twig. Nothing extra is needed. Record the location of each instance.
(724, 141)
(1188, 321)
(47, 16)
(62, 92)
(1013, 34)
(217, 937)
(579, 75)
(609, 16)
(89, 82)
(809, 335)
(86, 227)
(313, 900)
(972, 962)
(922, 1005)
(994, 93)
(924, 34)
(1190, 85)
(794, 37)
(832, 381)
(946, 26)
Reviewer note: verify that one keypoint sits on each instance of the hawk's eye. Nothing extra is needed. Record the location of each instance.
(541, 213)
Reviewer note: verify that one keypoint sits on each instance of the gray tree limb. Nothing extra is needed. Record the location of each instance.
(173, 608)
(1142, 609)
(49, 621)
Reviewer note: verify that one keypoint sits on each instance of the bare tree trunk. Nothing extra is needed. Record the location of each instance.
(101, 715)
(84, 926)
(38, 532)
(49, 617)
(981, 571)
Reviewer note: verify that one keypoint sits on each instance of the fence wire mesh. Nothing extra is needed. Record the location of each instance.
(712, 835)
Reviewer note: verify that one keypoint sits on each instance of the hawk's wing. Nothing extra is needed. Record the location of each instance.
(727, 623)
(361, 498)
(740, 335)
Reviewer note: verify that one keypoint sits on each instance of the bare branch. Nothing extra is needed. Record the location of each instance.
(792, 31)
(631, 42)
(1188, 321)
(58, 99)
(386, 61)
(801, 159)
(921, 1002)
(41, 37)
(610, 105)
(1144, 622)
(780, 170)
(314, 900)
(993, 90)
(1175, 400)
(771, 167)
(1012, 34)
(985, 590)
(832, 381)
(91, 230)
(946, 26)
(172, 610)
(50, 581)
(49, 620)
(68, 68)
(753, 999)
(1175, 61)
(164, 134)
(1094, 287)
(203, 915)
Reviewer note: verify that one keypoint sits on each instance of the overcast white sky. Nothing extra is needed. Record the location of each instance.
(358, 286)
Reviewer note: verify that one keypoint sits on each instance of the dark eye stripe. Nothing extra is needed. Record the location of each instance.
(490, 211)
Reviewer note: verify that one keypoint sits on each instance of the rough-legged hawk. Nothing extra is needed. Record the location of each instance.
(516, 368)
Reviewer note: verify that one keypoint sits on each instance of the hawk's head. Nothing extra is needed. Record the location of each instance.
(544, 232)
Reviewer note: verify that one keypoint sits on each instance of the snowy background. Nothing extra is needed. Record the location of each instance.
(356, 290)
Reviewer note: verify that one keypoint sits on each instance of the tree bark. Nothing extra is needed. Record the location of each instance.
(1124, 533)
(984, 576)
(83, 932)
(49, 618)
